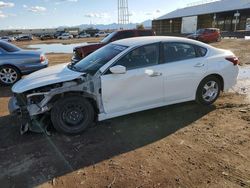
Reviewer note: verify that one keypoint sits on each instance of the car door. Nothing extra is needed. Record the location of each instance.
(184, 68)
(141, 87)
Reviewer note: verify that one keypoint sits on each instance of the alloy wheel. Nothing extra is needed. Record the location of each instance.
(210, 91)
(8, 75)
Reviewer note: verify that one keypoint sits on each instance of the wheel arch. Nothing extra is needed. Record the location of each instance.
(86, 95)
(218, 76)
(11, 65)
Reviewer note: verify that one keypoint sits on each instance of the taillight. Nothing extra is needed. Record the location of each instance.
(42, 58)
(233, 60)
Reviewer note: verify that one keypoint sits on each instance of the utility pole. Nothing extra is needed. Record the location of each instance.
(123, 13)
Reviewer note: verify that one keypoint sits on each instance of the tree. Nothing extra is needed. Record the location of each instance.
(140, 26)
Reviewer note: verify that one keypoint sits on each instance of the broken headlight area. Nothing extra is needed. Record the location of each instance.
(34, 106)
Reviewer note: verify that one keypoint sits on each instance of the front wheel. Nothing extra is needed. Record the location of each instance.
(208, 90)
(72, 114)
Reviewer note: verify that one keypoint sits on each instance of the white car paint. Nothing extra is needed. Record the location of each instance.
(101, 34)
(84, 35)
(65, 36)
(143, 88)
(51, 75)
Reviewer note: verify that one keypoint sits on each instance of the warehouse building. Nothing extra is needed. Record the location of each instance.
(227, 15)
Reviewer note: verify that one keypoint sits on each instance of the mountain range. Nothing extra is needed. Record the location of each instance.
(146, 24)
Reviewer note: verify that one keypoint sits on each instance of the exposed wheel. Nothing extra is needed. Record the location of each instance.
(72, 114)
(9, 75)
(208, 90)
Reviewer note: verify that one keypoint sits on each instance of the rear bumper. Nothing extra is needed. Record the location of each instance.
(29, 68)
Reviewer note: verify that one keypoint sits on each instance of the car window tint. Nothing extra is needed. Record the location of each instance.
(141, 57)
(201, 51)
(178, 51)
(8, 47)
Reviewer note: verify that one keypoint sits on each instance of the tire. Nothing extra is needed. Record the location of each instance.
(9, 75)
(72, 114)
(208, 90)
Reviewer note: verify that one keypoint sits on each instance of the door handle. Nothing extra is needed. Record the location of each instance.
(152, 73)
(155, 74)
(199, 65)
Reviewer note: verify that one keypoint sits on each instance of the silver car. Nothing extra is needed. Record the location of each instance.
(15, 62)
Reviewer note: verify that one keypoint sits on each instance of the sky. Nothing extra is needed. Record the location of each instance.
(31, 14)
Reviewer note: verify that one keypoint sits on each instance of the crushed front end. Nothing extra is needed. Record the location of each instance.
(20, 107)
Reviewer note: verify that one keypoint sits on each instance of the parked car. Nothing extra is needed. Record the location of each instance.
(65, 36)
(83, 35)
(15, 62)
(83, 51)
(46, 37)
(7, 39)
(101, 34)
(58, 33)
(124, 77)
(206, 35)
(24, 38)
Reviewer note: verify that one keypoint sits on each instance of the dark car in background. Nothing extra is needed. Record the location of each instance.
(15, 62)
(24, 38)
(82, 51)
(47, 37)
(206, 35)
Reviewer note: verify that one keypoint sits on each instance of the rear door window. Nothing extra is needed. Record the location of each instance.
(178, 51)
(8, 47)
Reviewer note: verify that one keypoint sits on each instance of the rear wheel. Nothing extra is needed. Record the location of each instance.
(72, 114)
(208, 90)
(9, 75)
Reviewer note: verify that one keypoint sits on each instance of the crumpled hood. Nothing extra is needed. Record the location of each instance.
(51, 75)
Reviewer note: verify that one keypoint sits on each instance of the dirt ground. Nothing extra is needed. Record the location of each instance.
(184, 145)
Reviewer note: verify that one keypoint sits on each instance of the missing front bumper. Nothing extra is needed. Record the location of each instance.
(37, 124)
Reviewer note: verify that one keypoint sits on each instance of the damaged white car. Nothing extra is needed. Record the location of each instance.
(123, 77)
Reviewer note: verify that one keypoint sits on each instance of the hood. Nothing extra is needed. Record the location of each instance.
(52, 75)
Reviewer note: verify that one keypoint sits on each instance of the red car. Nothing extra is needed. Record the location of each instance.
(206, 35)
(82, 51)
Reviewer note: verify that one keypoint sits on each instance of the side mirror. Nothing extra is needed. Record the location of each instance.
(118, 69)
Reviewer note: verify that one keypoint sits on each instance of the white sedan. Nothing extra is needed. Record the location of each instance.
(124, 77)
(65, 36)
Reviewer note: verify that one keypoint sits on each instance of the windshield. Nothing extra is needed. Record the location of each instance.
(8, 47)
(108, 38)
(93, 62)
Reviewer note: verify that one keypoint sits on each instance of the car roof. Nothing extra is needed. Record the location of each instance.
(139, 41)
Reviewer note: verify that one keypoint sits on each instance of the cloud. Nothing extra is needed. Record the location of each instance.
(6, 4)
(97, 15)
(25, 6)
(2, 15)
(58, 2)
(37, 9)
